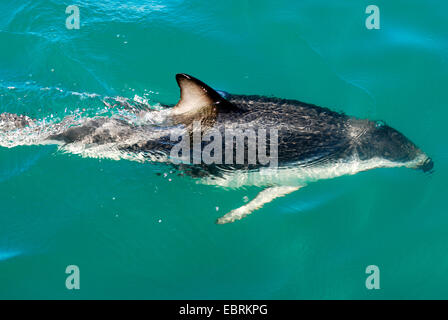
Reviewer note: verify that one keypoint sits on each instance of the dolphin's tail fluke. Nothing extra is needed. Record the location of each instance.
(11, 121)
(19, 130)
(260, 200)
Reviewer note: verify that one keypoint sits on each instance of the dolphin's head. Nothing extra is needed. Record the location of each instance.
(379, 140)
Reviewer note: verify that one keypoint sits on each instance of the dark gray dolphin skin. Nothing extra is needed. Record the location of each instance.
(306, 133)
(312, 142)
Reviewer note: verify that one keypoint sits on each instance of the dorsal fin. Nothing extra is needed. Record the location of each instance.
(197, 97)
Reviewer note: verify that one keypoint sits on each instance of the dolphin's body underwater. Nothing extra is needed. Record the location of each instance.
(311, 142)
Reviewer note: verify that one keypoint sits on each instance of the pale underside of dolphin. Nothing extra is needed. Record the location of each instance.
(313, 143)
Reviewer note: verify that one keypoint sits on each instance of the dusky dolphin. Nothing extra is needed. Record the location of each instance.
(307, 142)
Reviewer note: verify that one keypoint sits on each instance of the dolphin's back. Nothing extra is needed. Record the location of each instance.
(306, 133)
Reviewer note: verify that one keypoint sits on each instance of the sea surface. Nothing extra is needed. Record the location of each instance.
(139, 231)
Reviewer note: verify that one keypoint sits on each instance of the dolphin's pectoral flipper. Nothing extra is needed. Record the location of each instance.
(260, 200)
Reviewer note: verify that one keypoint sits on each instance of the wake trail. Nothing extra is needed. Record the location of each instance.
(109, 131)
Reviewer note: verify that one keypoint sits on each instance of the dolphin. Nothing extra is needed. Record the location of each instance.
(305, 142)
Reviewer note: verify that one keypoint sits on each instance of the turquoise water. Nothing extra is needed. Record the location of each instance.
(136, 234)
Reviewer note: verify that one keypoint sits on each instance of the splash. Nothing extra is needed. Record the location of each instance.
(123, 122)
